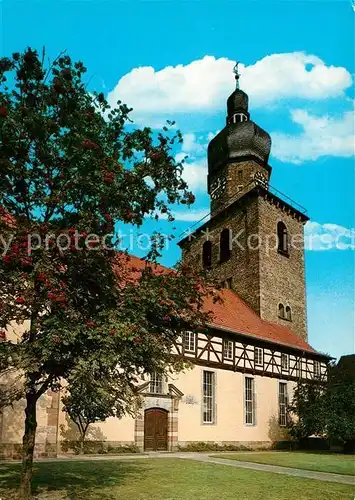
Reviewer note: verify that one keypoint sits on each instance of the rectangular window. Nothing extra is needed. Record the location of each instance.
(189, 342)
(240, 175)
(282, 404)
(228, 349)
(156, 383)
(284, 362)
(298, 368)
(249, 403)
(209, 397)
(258, 356)
(316, 369)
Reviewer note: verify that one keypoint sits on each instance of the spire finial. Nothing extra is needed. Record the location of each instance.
(236, 74)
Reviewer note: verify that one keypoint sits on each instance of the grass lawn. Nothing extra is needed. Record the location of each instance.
(163, 479)
(321, 462)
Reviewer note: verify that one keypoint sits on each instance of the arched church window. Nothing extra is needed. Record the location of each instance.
(282, 238)
(281, 311)
(288, 313)
(207, 254)
(225, 245)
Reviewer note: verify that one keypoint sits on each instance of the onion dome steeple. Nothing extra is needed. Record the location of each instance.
(241, 138)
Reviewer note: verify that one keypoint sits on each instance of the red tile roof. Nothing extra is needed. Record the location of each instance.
(233, 314)
(130, 267)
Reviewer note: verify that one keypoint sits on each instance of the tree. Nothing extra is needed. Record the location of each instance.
(96, 394)
(71, 167)
(326, 408)
(339, 403)
(307, 406)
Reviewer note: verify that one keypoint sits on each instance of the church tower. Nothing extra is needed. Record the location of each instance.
(238, 154)
(253, 242)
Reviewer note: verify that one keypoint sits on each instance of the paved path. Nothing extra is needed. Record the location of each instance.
(204, 457)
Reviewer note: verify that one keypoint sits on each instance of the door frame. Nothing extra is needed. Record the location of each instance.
(165, 412)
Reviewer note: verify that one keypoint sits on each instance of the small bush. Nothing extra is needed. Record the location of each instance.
(90, 447)
(97, 448)
(284, 445)
(211, 446)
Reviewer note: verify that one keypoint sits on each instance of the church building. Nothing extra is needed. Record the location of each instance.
(244, 369)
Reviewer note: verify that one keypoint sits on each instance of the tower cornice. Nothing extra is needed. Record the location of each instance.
(257, 190)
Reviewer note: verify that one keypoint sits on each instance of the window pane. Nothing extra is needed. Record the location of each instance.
(228, 349)
(284, 361)
(208, 397)
(189, 341)
(249, 400)
(258, 356)
(283, 403)
(156, 383)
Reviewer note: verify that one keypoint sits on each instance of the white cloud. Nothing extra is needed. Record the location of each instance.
(195, 167)
(192, 215)
(321, 136)
(204, 84)
(328, 236)
(195, 174)
(193, 145)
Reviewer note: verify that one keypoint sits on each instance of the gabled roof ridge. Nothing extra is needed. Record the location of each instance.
(236, 316)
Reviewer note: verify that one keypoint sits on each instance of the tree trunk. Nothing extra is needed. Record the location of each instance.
(82, 439)
(28, 445)
(81, 447)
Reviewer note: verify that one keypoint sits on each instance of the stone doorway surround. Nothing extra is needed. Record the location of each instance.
(168, 402)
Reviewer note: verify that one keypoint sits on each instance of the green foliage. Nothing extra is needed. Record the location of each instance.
(308, 407)
(340, 405)
(326, 408)
(97, 448)
(211, 446)
(96, 394)
(70, 167)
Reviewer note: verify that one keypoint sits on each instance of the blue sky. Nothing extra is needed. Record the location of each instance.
(297, 65)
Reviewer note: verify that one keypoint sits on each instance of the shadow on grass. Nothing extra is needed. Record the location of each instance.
(71, 480)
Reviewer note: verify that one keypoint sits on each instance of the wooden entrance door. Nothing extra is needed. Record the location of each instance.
(155, 429)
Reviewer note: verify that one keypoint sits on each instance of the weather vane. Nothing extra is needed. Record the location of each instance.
(237, 75)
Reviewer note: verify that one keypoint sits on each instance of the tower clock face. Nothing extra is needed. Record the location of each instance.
(260, 178)
(218, 186)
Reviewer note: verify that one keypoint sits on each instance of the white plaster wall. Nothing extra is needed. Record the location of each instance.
(229, 424)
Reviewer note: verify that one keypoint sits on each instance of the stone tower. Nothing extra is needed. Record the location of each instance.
(253, 242)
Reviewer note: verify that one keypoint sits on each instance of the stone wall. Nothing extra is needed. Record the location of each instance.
(243, 266)
(12, 428)
(282, 278)
(260, 274)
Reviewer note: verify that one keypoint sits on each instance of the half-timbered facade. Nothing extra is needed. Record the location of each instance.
(243, 370)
